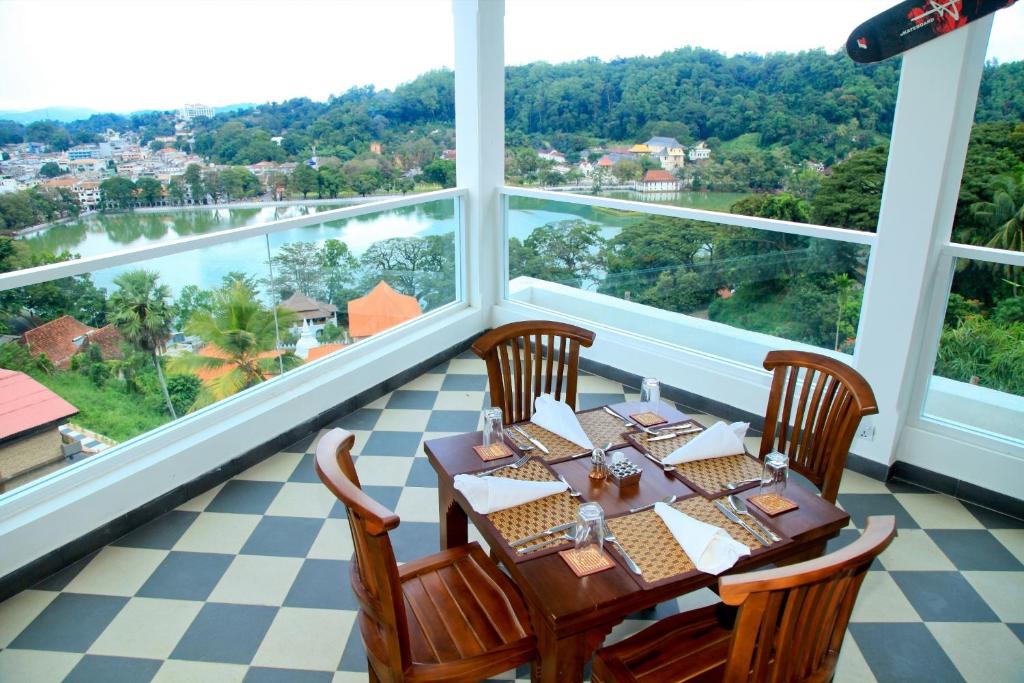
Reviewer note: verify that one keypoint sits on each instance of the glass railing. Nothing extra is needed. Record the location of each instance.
(132, 340)
(978, 377)
(680, 269)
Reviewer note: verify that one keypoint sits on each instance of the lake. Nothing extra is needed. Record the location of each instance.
(104, 233)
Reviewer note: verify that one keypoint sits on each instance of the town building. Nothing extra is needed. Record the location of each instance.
(310, 312)
(30, 415)
(700, 152)
(191, 111)
(381, 309)
(658, 180)
(551, 155)
(62, 338)
(671, 154)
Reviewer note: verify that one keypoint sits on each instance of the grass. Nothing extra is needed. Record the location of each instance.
(746, 142)
(105, 410)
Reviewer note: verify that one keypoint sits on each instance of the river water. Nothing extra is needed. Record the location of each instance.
(105, 233)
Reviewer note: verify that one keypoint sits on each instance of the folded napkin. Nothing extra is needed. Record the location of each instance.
(712, 549)
(719, 440)
(490, 494)
(558, 418)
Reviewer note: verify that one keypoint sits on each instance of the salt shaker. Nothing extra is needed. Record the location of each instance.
(598, 465)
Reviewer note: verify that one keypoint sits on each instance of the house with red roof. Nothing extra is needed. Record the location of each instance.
(658, 180)
(29, 417)
(62, 338)
(381, 309)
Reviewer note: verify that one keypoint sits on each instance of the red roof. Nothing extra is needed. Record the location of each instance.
(604, 161)
(656, 175)
(318, 352)
(56, 339)
(109, 341)
(25, 405)
(381, 309)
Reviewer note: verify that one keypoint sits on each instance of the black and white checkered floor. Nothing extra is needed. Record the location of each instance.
(249, 581)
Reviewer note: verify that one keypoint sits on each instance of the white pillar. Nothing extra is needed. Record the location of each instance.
(934, 112)
(480, 142)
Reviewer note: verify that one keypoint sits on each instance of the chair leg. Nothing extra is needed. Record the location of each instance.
(371, 674)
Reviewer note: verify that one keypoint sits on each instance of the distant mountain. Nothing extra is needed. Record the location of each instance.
(234, 107)
(63, 114)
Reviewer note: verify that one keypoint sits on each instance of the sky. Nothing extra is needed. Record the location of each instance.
(126, 55)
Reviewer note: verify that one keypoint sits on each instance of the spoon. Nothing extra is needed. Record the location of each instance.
(740, 506)
(733, 485)
(572, 492)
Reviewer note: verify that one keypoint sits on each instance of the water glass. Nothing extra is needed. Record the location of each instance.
(650, 393)
(494, 426)
(589, 527)
(775, 474)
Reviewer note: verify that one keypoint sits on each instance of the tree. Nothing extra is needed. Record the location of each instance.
(51, 169)
(142, 313)
(567, 252)
(242, 334)
(627, 170)
(193, 177)
(184, 389)
(150, 191)
(118, 192)
(303, 179)
(851, 196)
(422, 267)
(439, 172)
(191, 299)
(1004, 214)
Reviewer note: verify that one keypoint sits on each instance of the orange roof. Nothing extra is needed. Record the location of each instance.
(604, 161)
(381, 309)
(656, 175)
(67, 181)
(56, 339)
(109, 340)
(323, 350)
(214, 351)
(25, 405)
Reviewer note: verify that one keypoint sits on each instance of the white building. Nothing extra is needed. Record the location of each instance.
(699, 152)
(9, 185)
(190, 111)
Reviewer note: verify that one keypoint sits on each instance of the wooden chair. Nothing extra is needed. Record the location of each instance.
(451, 616)
(815, 426)
(519, 370)
(788, 628)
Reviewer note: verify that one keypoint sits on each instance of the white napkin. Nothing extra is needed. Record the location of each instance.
(719, 440)
(712, 549)
(490, 494)
(558, 418)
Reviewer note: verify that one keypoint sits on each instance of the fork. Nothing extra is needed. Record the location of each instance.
(739, 506)
(664, 467)
(514, 465)
(667, 500)
(631, 423)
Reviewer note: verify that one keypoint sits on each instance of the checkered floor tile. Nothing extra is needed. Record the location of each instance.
(249, 581)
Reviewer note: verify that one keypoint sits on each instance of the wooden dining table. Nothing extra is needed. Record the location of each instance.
(571, 615)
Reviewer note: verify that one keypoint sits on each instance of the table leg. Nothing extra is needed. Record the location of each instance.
(562, 659)
(454, 524)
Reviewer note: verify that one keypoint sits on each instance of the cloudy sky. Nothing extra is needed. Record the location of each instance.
(124, 55)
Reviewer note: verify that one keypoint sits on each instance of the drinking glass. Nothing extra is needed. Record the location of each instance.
(589, 527)
(775, 474)
(494, 426)
(650, 393)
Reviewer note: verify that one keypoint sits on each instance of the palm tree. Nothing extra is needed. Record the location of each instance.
(143, 314)
(1005, 213)
(241, 338)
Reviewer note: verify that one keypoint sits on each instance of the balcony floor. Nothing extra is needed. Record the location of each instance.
(250, 580)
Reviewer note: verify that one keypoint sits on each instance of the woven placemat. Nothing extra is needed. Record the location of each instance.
(537, 515)
(652, 546)
(705, 476)
(598, 425)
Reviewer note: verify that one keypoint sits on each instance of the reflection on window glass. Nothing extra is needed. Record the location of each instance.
(118, 352)
(799, 288)
(981, 351)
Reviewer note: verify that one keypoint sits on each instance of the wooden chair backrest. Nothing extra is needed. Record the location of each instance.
(374, 575)
(530, 358)
(815, 426)
(791, 621)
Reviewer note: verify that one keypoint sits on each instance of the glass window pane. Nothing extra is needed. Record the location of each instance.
(978, 380)
(677, 275)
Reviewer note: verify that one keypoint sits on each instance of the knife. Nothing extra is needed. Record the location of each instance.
(673, 435)
(532, 440)
(542, 534)
(733, 517)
